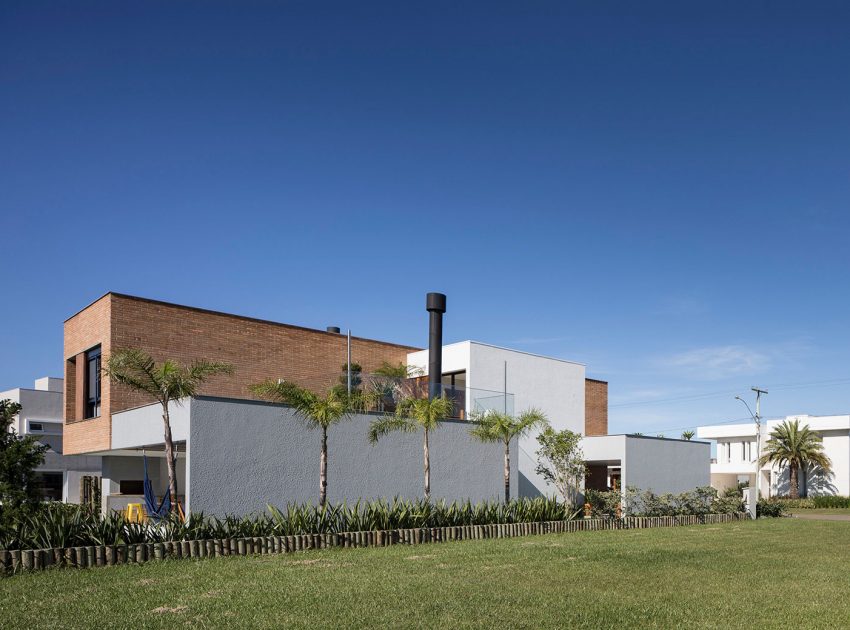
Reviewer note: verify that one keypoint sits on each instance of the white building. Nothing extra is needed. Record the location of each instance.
(736, 457)
(514, 381)
(41, 416)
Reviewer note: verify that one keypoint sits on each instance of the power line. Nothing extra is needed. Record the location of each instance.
(707, 395)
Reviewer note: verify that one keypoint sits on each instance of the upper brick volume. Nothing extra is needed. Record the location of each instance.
(257, 349)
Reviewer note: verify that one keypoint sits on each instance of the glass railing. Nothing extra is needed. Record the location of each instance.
(386, 392)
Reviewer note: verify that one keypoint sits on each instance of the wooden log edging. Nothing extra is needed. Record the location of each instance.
(17, 561)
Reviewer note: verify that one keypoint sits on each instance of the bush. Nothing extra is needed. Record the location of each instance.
(769, 509)
(829, 501)
(789, 505)
(62, 525)
(702, 500)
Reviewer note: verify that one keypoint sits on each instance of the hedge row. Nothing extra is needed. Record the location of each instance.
(16, 561)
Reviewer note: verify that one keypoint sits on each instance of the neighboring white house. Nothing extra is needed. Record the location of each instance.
(41, 416)
(514, 381)
(736, 457)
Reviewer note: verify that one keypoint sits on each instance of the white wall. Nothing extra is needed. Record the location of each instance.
(554, 386)
(142, 426)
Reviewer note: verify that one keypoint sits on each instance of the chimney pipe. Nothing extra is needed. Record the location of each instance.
(333, 329)
(435, 303)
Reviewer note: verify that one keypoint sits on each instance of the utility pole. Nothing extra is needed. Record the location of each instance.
(758, 392)
(757, 419)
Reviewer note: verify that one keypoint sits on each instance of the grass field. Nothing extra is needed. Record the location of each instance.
(771, 573)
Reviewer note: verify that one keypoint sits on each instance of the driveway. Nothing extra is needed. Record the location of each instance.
(821, 517)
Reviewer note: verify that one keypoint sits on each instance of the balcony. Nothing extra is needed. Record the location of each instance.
(467, 400)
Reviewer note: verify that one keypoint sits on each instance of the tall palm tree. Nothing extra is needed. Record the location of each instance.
(795, 446)
(688, 435)
(413, 414)
(165, 382)
(318, 412)
(494, 426)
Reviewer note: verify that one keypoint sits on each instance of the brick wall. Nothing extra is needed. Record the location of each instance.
(595, 407)
(83, 331)
(258, 349)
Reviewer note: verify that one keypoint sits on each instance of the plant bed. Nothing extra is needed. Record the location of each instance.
(15, 561)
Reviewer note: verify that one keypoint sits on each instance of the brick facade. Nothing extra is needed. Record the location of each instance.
(595, 407)
(258, 349)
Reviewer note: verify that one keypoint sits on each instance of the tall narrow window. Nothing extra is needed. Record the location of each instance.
(93, 383)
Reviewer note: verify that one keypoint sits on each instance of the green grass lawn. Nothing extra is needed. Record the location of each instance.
(771, 573)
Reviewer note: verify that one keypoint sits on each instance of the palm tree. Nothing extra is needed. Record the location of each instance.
(411, 414)
(688, 435)
(165, 382)
(318, 412)
(494, 426)
(797, 447)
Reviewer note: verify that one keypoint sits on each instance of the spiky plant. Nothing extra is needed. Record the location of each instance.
(498, 427)
(795, 446)
(164, 382)
(318, 412)
(411, 415)
(688, 435)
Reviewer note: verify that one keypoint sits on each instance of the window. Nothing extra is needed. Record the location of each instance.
(50, 485)
(92, 386)
(36, 426)
(131, 486)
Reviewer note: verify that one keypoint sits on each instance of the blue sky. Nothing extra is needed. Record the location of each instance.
(659, 190)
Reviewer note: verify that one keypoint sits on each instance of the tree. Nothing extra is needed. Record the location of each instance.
(797, 447)
(165, 382)
(19, 457)
(494, 426)
(356, 378)
(412, 414)
(561, 461)
(318, 412)
(688, 435)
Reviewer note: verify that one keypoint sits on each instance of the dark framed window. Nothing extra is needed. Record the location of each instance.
(92, 388)
(131, 486)
(50, 485)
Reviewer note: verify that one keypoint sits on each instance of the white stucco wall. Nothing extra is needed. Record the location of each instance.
(141, 426)
(554, 386)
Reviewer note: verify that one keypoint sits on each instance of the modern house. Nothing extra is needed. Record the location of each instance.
(237, 454)
(736, 457)
(41, 416)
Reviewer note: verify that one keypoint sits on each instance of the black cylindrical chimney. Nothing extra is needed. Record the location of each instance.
(333, 329)
(436, 305)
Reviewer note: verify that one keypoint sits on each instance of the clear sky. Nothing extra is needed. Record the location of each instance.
(658, 190)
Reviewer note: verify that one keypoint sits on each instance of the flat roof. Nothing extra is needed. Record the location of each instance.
(233, 315)
(531, 354)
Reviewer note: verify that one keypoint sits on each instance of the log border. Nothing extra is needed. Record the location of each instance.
(20, 560)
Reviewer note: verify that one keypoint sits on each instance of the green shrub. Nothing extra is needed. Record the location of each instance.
(769, 509)
(702, 500)
(829, 501)
(61, 525)
(789, 505)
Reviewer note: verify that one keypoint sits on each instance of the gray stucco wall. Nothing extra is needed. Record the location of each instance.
(666, 465)
(245, 455)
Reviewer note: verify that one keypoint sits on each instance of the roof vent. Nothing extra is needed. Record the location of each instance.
(333, 329)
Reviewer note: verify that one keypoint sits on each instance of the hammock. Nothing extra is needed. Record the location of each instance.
(155, 511)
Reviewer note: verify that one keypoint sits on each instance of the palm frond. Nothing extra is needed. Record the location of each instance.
(389, 424)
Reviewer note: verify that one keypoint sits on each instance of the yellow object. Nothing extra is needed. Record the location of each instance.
(135, 513)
